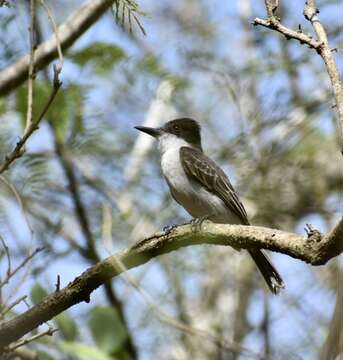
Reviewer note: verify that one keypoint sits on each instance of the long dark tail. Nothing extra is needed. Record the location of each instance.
(268, 271)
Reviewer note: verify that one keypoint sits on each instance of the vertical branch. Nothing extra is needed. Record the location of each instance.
(271, 6)
(55, 29)
(31, 64)
(311, 14)
(321, 45)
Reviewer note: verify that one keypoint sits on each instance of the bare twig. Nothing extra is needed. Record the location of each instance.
(48, 332)
(31, 64)
(54, 26)
(315, 251)
(20, 266)
(19, 201)
(8, 308)
(321, 45)
(18, 151)
(58, 283)
(275, 24)
(8, 256)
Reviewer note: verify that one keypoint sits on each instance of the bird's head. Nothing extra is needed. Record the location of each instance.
(176, 131)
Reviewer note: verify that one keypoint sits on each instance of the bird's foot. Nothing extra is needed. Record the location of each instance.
(196, 223)
(168, 229)
(312, 233)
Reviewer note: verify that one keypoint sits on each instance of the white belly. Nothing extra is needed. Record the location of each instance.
(190, 194)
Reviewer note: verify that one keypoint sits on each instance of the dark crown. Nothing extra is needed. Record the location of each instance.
(185, 128)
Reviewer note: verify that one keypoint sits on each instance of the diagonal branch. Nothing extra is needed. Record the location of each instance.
(315, 249)
(275, 24)
(18, 150)
(68, 32)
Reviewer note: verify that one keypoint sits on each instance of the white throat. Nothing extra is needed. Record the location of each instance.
(167, 142)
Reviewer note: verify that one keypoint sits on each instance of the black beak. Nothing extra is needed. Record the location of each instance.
(155, 132)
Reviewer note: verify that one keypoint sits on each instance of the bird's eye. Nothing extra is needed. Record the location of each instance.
(176, 127)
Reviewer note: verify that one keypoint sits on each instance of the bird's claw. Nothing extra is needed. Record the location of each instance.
(196, 223)
(312, 233)
(168, 229)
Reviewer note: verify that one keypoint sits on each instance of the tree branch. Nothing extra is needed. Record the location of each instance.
(18, 150)
(321, 45)
(314, 249)
(274, 24)
(311, 14)
(68, 32)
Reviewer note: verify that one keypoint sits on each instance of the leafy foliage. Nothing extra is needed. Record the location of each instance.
(127, 11)
(100, 56)
(67, 109)
(107, 329)
(84, 352)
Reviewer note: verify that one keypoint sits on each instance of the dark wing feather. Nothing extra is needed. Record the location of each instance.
(204, 170)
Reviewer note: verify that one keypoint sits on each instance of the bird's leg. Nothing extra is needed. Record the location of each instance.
(169, 228)
(196, 223)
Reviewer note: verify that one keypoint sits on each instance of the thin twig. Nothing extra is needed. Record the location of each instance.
(8, 256)
(54, 26)
(19, 201)
(18, 151)
(5, 310)
(31, 65)
(58, 283)
(274, 24)
(20, 266)
(26, 341)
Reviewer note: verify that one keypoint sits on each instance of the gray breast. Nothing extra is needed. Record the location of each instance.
(190, 194)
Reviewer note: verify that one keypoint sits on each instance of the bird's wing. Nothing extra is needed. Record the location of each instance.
(201, 168)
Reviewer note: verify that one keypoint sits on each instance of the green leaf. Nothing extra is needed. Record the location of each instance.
(66, 108)
(41, 93)
(38, 293)
(67, 326)
(101, 56)
(107, 329)
(150, 64)
(84, 352)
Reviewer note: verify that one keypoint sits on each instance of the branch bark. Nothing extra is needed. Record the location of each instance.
(68, 32)
(314, 249)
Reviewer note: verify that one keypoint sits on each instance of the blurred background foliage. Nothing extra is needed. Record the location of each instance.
(90, 185)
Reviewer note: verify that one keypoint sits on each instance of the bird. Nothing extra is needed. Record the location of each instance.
(201, 187)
